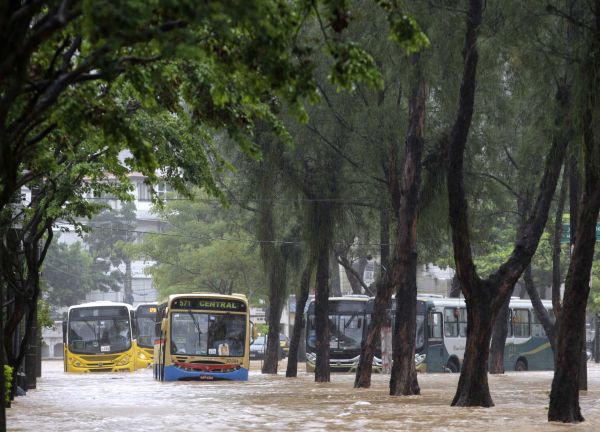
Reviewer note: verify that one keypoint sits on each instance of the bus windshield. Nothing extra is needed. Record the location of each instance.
(206, 334)
(345, 331)
(94, 331)
(145, 325)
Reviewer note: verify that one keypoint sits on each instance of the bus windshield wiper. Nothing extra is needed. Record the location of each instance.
(197, 325)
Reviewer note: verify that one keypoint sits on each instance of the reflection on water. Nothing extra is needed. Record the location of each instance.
(134, 401)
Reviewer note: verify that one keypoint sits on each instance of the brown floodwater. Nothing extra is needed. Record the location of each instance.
(135, 401)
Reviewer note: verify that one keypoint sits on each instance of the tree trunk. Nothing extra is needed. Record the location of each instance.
(2, 361)
(292, 366)
(540, 310)
(322, 307)
(404, 268)
(355, 283)
(369, 345)
(336, 286)
(499, 334)
(473, 389)
(564, 397)
(277, 279)
(484, 298)
(380, 306)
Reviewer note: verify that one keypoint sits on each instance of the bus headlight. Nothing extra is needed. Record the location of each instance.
(124, 361)
(312, 358)
(75, 362)
(142, 356)
(419, 358)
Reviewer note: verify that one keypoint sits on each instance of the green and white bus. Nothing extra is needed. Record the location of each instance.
(442, 334)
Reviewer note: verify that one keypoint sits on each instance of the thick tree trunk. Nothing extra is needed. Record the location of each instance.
(499, 334)
(473, 389)
(564, 397)
(277, 280)
(301, 299)
(380, 307)
(2, 360)
(322, 315)
(404, 268)
(369, 345)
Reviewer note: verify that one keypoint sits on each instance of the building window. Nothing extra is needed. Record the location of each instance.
(143, 192)
(162, 189)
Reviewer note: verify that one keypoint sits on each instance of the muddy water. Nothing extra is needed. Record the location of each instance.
(134, 401)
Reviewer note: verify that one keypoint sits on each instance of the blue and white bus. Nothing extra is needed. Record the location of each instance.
(442, 334)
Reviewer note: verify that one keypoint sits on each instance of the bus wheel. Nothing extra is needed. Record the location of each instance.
(521, 365)
(452, 366)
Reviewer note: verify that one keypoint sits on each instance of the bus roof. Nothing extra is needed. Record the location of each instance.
(145, 304)
(100, 303)
(208, 295)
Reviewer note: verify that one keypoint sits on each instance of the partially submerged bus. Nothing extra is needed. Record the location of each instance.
(97, 337)
(348, 324)
(442, 334)
(145, 318)
(202, 337)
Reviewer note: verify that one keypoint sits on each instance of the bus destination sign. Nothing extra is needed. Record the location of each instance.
(227, 305)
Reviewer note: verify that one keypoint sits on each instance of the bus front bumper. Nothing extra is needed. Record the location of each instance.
(181, 372)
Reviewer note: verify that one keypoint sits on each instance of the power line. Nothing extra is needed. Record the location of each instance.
(211, 238)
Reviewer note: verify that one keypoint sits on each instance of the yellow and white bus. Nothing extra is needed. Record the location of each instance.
(97, 337)
(143, 329)
(202, 337)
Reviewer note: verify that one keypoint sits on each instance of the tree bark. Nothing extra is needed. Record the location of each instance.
(499, 334)
(473, 389)
(539, 309)
(336, 286)
(484, 298)
(355, 282)
(292, 366)
(380, 307)
(564, 396)
(322, 311)
(404, 267)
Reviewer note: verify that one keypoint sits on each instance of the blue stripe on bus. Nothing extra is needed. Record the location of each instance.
(173, 373)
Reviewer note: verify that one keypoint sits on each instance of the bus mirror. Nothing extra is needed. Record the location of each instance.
(163, 325)
(254, 330)
(359, 323)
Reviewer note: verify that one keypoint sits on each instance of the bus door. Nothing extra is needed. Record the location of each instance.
(509, 346)
(435, 343)
(522, 339)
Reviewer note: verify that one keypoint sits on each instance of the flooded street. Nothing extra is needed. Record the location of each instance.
(134, 401)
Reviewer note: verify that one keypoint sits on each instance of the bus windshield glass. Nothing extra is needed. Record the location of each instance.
(207, 334)
(145, 326)
(99, 330)
(345, 331)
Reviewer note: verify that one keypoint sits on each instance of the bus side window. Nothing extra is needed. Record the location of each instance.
(450, 323)
(537, 329)
(435, 325)
(521, 322)
(462, 322)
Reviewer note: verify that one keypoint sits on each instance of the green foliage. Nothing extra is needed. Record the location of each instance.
(8, 376)
(44, 315)
(69, 274)
(204, 248)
